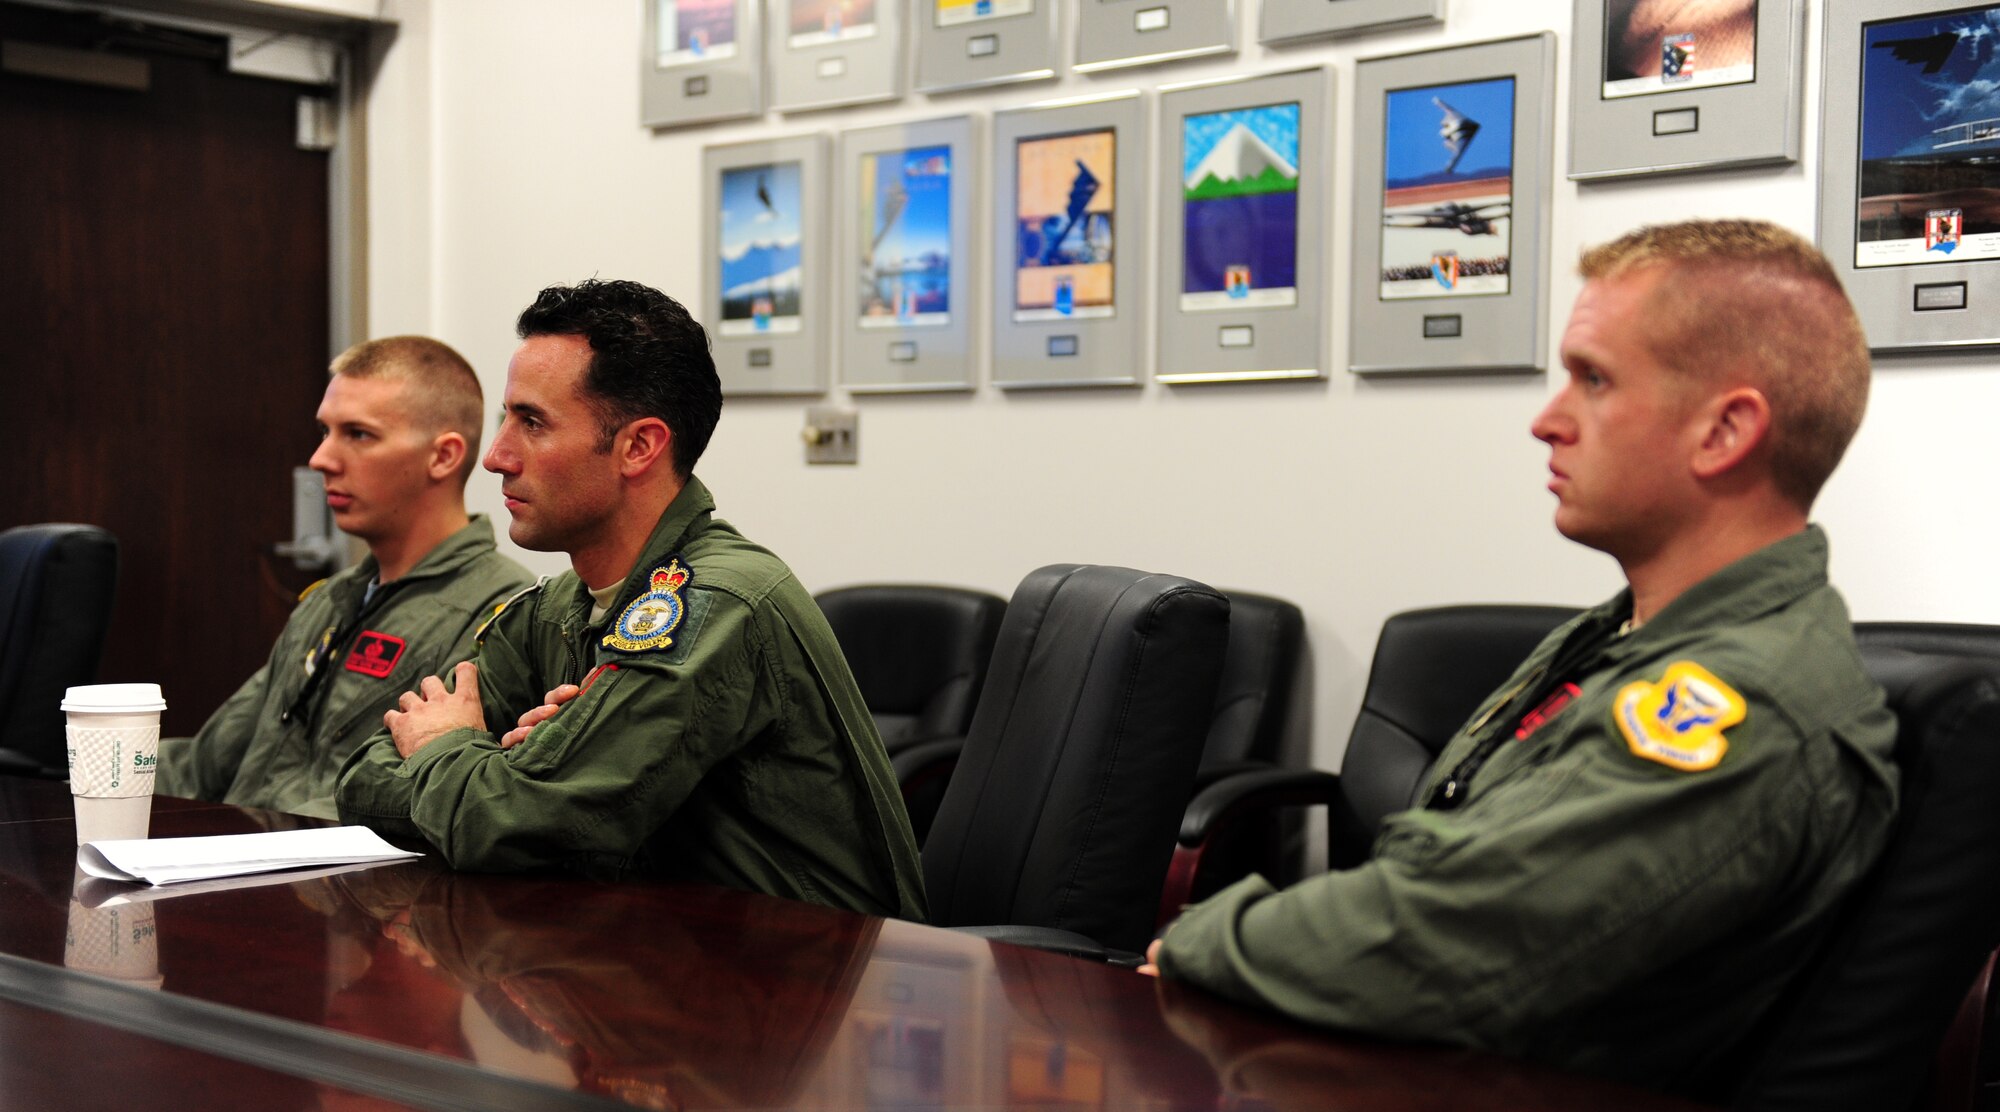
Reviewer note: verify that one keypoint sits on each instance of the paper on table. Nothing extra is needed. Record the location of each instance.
(177, 860)
(95, 892)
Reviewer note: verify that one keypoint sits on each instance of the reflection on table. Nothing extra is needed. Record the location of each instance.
(665, 996)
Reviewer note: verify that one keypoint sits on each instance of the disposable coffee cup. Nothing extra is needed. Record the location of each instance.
(114, 745)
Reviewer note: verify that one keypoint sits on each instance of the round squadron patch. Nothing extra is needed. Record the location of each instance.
(650, 621)
(1679, 720)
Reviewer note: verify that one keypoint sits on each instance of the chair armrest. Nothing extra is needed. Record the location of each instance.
(1055, 941)
(926, 759)
(1209, 775)
(1216, 804)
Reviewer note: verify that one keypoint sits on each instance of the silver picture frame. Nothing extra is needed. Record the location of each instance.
(688, 77)
(1245, 192)
(971, 44)
(832, 53)
(765, 295)
(1068, 262)
(1113, 34)
(1451, 208)
(1289, 21)
(1922, 265)
(907, 324)
(1662, 94)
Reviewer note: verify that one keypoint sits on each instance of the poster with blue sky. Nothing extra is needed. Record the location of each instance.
(1448, 190)
(1930, 140)
(761, 245)
(1240, 208)
(906, 237)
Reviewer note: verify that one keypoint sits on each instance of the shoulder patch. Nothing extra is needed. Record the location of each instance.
(479, 634)
(310, 588)
(648, 624)
(1679, 721)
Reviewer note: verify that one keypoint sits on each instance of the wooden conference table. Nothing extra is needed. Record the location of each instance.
(410, 986)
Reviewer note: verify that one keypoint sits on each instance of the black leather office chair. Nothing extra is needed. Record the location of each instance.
(1866, 1023)
(1944, 638)
(57, 585)
(1248, 733)
(918, 653)
(1431, 670)
(1062, 810)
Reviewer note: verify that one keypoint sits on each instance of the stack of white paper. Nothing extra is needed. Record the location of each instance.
(178, 860)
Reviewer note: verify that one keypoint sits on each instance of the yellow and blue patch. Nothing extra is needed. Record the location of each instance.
(1679, 721)
(648, 624)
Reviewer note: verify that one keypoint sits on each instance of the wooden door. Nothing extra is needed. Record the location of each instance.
(163, 340)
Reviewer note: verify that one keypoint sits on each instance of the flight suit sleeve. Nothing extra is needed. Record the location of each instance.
(1565, 878)
(204, 766)
(589, 785)
(373, 788)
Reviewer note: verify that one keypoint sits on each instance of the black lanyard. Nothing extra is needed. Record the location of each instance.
(319, 661)
(1584, 643)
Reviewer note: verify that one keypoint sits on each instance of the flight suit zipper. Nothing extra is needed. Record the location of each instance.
(569, 650)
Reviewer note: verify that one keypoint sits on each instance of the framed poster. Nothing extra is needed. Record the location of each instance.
(1069, 200)
(966, 44)
(1296, 20)
(699, 62)
(762, 265)
(826, 53)
(906, 245)
(1115, 33)
(1451, 208)
(1241, 269)
(1662, 87)
(1910, 176)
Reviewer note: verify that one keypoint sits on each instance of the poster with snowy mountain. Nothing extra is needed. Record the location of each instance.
(1240, 208)
(761, 242)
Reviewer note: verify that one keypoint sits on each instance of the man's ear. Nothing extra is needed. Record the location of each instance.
(447, 456)
(1737, 422)
(643, 445)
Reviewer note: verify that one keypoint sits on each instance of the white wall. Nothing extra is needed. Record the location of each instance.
(511, 158)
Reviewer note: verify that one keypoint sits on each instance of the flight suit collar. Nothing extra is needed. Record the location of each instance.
(472, 540)
(1768, 579)
(686, 515)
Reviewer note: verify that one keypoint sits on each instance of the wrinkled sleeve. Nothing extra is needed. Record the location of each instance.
(204, 766)
(1569, 875)
(588, 785)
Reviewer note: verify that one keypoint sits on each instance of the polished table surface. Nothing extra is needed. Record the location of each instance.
(408, 985)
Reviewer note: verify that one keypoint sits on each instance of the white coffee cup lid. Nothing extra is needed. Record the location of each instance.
(114, 698)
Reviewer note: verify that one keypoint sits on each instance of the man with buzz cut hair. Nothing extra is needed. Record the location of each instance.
(679, 707)
(399, 431)
(1635, 845)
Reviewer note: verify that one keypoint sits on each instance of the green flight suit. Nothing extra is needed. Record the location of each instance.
(1631, 878)
(280, 741)
(728, 744)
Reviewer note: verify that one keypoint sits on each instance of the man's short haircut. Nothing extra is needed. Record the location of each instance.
(443, 394)
(648, 358)
(1747, 301)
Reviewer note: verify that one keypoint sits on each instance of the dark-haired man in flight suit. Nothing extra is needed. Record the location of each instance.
(681, 709)
(1632, 848)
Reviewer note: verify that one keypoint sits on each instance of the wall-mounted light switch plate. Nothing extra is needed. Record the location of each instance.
(832, 434)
